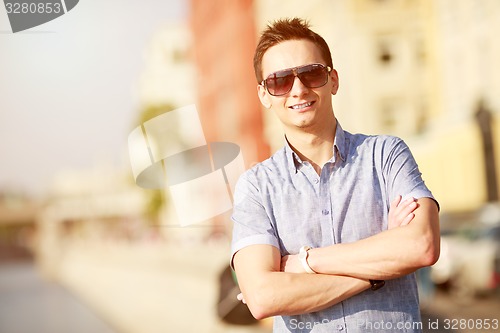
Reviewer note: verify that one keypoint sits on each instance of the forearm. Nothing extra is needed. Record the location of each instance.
(279, 293)
(387, 255)
(270, 292)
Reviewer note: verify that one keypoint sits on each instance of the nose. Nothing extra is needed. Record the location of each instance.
(298, 87)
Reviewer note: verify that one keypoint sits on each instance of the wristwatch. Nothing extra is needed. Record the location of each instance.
(303, 259)
(377, 284)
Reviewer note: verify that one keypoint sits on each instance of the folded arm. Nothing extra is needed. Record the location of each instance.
(387, 255)
(269, 292)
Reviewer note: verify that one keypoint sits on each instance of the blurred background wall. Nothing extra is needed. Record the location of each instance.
(72, 90)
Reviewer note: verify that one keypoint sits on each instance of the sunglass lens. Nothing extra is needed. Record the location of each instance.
(280, 83)
(313, 76)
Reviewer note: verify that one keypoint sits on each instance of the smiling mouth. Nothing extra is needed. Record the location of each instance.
(301, 106)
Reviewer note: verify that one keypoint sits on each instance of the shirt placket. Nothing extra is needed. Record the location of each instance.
(325, 205)
(322, 188)
(327, 177)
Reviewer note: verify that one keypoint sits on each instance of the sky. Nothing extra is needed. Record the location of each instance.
(68, 89)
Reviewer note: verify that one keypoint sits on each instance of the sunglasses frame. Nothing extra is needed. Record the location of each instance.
(294, 71)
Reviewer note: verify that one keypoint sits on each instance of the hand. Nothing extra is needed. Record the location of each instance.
(401, 213)
(291, 264)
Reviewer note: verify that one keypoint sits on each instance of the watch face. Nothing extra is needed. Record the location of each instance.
(377, 284)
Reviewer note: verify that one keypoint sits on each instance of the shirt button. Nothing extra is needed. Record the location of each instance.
(340, 327)
(325, 212)
(316, 181)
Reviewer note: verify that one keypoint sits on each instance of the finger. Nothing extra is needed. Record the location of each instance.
(284, 260)
(394, 206)
(240, 298)
(395, 202)
(407, 202)
(408, 219)
(405, 211)
(411, 207)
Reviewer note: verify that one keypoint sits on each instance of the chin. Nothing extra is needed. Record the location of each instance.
(304, 124)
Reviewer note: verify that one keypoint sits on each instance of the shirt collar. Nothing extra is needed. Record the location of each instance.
(292, 158)
(339, 149)
(340, 144)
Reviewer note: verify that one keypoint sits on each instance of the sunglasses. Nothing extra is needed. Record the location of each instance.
(281, 82)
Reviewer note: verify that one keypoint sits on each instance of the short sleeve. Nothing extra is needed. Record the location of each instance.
(251, 222)
(401, 172)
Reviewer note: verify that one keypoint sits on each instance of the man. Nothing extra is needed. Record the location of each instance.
(323, 224)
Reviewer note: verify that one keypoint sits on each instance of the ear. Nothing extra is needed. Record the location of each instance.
(335, 79)
(264, 97)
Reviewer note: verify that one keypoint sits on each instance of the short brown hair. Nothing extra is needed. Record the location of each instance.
(284, 30)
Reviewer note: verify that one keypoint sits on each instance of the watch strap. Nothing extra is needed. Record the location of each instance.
(303, 254)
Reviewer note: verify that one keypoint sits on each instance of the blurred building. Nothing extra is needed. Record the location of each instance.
(168, 75)
(463, 53)
(17, 226)
(224, 38)
(96, 206)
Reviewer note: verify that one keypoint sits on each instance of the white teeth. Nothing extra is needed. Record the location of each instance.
(301, 106)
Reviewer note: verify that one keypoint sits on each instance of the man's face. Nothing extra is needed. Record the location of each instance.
(302, 107)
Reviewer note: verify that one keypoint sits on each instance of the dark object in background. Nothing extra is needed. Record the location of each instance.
(229, 308)
(484, 119)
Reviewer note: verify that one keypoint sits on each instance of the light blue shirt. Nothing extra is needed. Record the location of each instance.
(283, 202)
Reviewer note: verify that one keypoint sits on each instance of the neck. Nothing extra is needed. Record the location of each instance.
(314, 147)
